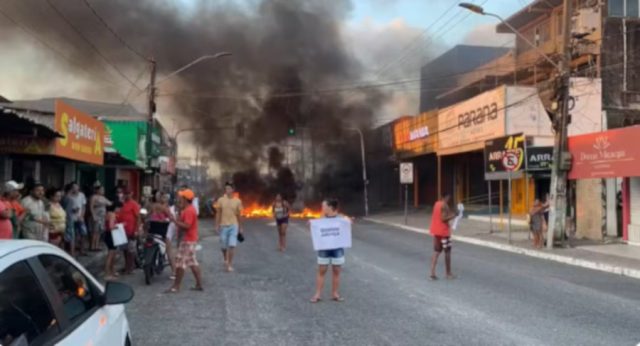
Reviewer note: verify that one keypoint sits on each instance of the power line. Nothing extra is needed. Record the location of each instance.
(79, 32)
(52, 48)
(104, 23)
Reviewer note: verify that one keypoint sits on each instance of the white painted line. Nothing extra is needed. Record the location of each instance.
(496, 220)
(608, 268)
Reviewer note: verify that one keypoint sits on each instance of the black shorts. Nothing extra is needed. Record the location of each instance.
(441, 243)
(284, 221)
(108, 239)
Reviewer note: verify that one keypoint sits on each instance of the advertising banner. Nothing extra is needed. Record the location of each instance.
(504, 156)
(539, 159)
(608, 154)
(331, 233)
(83, 135)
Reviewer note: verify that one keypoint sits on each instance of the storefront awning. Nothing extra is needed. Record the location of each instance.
(20, 122)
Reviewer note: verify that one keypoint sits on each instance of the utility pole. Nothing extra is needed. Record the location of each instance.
(562, 159)
(151, 109)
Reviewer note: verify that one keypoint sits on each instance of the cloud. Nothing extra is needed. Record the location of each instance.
(392, 51)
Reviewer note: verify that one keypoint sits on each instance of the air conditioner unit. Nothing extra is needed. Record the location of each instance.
(586, 21)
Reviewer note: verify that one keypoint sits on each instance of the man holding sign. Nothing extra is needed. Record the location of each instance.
(331, 235)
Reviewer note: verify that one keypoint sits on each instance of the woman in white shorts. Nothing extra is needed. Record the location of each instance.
(171, 233)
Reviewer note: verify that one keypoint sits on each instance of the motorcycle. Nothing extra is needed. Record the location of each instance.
(151, 254)
(154, 250)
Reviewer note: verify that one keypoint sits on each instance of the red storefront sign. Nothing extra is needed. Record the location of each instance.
(608, 154)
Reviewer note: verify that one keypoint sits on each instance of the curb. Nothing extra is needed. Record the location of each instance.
(514, 222)
(603, 267)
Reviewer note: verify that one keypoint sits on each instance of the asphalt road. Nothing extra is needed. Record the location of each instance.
(498, 299)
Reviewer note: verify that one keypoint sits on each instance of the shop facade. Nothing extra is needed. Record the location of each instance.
(463, 129)
(47, 146)
(416, 141)
(612, 154)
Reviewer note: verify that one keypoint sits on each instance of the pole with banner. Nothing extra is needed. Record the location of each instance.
(504, 159)
(406, 178)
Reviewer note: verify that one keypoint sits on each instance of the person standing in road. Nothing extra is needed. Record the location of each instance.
(58, 218)
(334, 258)
(187, 224)
(98, 206)
(129, 216)
(111, 223)
(11, 198)
(537, 223)
(280, 210)
(228, 212)
(78, 204)
(441, 233)
(6, 228)
(35, 224)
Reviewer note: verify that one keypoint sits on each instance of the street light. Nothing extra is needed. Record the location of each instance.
(200, 59)
(364, 170)
(479, 10)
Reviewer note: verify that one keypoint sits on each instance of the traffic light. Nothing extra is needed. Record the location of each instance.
(291, 131)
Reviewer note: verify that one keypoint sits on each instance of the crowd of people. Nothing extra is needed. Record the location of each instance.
(69, 220)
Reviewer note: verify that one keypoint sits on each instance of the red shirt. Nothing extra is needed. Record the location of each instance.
(438, 227)
(129, 214)
(6, 229)
(190, 217)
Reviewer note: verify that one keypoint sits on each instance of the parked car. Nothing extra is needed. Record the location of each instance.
(47, 298)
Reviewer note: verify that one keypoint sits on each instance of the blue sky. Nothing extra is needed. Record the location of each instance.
(422, 13)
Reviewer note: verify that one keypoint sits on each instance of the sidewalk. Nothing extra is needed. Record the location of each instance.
(612, 257)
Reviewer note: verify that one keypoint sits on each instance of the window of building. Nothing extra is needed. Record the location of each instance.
(74, 288)
(624, 8)
(25, 314)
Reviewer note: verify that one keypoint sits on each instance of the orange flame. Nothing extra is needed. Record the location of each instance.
(257, 211)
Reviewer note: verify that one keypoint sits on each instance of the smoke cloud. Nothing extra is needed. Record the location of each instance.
(290, 57)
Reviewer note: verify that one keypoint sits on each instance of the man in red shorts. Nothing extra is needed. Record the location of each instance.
(187, 223)
(129, 215)
(441, 233)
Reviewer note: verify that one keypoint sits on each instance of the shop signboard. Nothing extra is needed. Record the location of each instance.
(608, 154)
(417, 135)
(539, 159)
(504, 157)
(83, 136)
(469, 123)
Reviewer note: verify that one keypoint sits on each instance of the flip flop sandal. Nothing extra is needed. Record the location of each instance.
(198, 289)
(433, 278)
(172, 291)
(338, 299)
(314, 301)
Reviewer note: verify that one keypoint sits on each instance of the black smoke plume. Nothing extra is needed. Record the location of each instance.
(288, 57)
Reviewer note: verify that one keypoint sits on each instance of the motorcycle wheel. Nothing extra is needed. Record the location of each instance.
(148, 273)
(159, 263)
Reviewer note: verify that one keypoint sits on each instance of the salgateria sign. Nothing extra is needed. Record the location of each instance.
(83, 136)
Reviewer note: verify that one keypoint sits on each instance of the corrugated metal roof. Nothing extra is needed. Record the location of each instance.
(98, 109)
(42, 120)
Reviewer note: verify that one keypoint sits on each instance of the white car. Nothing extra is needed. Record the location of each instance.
(47, 298)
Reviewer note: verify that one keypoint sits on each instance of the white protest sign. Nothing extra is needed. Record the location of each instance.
(331, 233)
(454, 224)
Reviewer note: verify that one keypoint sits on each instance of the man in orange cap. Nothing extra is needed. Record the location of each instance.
(187, 241)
